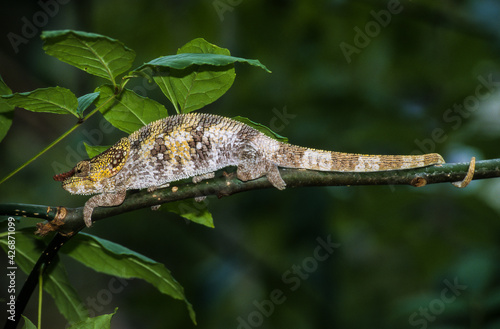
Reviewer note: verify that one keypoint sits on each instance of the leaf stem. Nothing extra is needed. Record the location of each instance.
(60, 138)
(40, 295)
(172, 96)
(40, 153)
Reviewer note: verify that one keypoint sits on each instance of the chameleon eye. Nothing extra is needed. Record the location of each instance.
(82, 168)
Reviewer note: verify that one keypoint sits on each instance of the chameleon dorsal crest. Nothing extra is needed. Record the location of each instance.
(110, 162)
(197, 145)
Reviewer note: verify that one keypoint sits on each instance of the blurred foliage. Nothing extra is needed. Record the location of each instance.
(410, 89)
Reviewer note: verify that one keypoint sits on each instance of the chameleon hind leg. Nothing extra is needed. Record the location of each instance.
(254, 165)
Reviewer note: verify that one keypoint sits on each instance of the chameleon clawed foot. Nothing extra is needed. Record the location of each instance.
(102, 200)
(154, 188)
(199, 178)
(470, 174)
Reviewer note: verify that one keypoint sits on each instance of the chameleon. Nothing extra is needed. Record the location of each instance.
(195, 146)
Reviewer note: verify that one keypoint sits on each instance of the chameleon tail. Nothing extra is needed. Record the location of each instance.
(292, 156)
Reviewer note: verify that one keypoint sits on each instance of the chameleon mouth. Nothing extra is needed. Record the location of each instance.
(63, 176)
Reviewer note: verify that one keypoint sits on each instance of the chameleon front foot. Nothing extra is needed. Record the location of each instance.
(102, 200)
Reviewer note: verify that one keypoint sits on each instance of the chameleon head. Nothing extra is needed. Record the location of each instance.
(96, 175)
(78, 180)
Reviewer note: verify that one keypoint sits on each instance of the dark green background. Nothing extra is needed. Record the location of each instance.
(400, 92)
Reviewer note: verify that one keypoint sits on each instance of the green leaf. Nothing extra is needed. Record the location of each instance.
(198, 75)
(94, 53)
(200, 56)
(191, 210)
(194, 86)
(98, 322)
(93, 150)
(6, 110)
(4, 89)
(56, 282)
(56, 100)
(85, 101)
(108, 257)
(263, 129)
(27, 323)
(129, 111)
(5, 122)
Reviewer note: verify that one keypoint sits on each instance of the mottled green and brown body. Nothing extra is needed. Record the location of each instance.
(192, 145)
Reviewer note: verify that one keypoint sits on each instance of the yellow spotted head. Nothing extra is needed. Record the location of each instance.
(93, 176)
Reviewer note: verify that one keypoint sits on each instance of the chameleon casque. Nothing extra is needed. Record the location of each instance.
(196, 145)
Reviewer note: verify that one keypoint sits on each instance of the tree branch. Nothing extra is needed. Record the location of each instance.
(70, 220)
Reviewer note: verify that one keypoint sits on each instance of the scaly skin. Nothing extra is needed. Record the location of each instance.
(194, 145)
